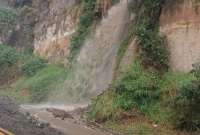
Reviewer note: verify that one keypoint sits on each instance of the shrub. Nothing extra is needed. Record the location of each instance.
(8, 21)
(42, 83)
(187, 104)
(32, 66)
(137, 88)
(153, 48)
(7, 18)
(151, 44)
(8, 56)
(103, 107)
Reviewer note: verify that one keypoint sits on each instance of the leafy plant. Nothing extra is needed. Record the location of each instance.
(7, 17)
(152, 45)
(32, 66)
(137, 88)
(41, 83)
(187, 104)
(103, 107)
(8, 56)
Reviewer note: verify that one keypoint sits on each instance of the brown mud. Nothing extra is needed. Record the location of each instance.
(74, 122)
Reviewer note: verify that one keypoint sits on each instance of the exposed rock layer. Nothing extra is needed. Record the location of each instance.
(180, 22)
(56, 23)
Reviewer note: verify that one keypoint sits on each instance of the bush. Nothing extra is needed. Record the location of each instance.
(187, 104)
(153, 48)
(7, 18)
(42, 83)
(151, 44)
(32, 66)
(8, 56)
(103, 107)
(137, 88)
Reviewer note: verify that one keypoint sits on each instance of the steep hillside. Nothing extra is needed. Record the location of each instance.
(137, 59)
(93, 69)
(55, 25)
(147, 97)
(180, 23)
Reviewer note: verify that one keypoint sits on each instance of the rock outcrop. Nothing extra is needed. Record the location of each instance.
(56, 23)
(180, 22)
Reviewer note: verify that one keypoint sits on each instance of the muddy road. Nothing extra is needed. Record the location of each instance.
(37, 120)
(72, 124)
(18, 123)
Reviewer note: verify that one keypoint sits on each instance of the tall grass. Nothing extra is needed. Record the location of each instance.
(37, 78)
(42, 83)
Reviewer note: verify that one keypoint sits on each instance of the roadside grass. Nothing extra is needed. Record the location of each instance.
(134, 88)
(142, 127)
(103, 107)
(36, 88)
(33, 78)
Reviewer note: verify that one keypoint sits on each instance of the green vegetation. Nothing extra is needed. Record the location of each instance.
(8, 64)
(103, 107)
(150, 96)
(43, 82)
(8, 56)
(152, 45)
(7, 18)
(141, 95)
(28, 63)
(84, 27)
(145, 93)
(33, 65)
(187, 104)
(37, 78)
(137, 88)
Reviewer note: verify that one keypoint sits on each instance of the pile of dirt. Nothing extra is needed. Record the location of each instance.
(18, 123)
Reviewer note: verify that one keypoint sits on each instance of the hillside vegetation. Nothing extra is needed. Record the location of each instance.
(146, 99)
(30, 78)
(149, 98)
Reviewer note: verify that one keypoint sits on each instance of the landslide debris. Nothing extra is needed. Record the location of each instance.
(18, 123)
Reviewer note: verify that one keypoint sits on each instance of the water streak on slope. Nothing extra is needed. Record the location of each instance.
(94, 69)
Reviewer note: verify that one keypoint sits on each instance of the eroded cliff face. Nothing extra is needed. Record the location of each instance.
(180, 22)
(56, 23)
(94, 69)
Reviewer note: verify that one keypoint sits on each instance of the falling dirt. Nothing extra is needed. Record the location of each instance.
(36, 120)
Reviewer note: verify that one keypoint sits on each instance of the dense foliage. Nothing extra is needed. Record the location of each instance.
(187, 104)
(41, 83)
(7, 18)
(103, 107)
(8, 56)
(36, 78)
(28, 64)
(32, 66)
(152, 45)
(86, 21)
(137, 88)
